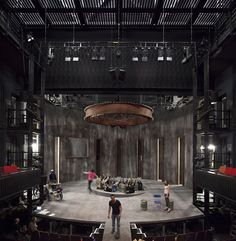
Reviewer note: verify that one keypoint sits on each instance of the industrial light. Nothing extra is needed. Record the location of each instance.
(214, 97)
(160, 53)
(67, 54)
(102, 54)
(112, 73)
(211, 147)
(75, 57)
(121, 74)
(117, 74)
(94, 54)
(169, 54)
(135, 54)
(144, 55)
(30, 37)
(186, 55)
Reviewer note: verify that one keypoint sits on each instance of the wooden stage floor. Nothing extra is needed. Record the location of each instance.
(78, 204)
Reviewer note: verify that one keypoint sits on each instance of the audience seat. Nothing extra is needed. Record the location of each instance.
(185, 237)
(64, 237)
(43, 236)
(155, 238)
(170, 237)
(54, 237)
(75, 237)
(208, 235)
(199, 236)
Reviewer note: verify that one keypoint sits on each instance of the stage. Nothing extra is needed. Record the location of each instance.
(78, 204)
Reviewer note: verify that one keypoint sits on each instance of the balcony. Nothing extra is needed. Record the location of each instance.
(14, 183)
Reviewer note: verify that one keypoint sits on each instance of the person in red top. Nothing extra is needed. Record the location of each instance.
(90, 176)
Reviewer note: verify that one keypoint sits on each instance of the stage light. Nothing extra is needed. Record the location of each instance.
(186, 55)
(94, 54)
(30, 37)
(50, 55)
(122, 74)
(145, 55)
(160, 53)
(75, 57)
(102, 54)
(169, 54)
(211, 147)
(112, 73)
(214, 97)
(135, 54)
(67, 54)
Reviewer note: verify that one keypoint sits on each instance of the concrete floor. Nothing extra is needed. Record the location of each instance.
(78, 204)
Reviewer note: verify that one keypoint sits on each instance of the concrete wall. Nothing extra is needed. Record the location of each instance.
(67, 123)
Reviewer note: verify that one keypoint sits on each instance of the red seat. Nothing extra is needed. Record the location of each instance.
(9, 169)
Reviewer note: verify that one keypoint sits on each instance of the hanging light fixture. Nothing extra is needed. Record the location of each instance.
(118, 114)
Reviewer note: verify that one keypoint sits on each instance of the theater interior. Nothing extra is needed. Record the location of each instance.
(139, 91)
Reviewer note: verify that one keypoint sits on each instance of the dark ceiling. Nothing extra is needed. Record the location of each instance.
(103, 14)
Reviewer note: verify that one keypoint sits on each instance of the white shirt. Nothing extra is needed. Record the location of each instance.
(166, 189)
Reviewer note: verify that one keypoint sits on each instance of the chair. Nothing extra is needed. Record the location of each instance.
(43, 236)
(185, 237)
(54, 236)
(199, 236)
(64, 237)
(157, 200)
(170, 237)
(155, 238)
(208, 235)
(75, 238)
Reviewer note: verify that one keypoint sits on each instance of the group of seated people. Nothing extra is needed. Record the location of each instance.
(53, 189)
(113, 184)
(25, 232)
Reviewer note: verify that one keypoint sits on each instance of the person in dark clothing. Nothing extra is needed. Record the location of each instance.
(52, 176)
(116, 207)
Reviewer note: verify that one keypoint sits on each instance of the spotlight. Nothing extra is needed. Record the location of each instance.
(160, 53)
(145, 55)
(50, 55)
(169, 54)
(102, 54)
(112, 73)
(186, 55)
(30, 37)
(135, 54)
(67, 54)
(94, 54)
(75, 57)
(118, 53)
(122, 74)
(214, 97)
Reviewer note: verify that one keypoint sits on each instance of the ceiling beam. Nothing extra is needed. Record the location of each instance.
(80, 10)
(196, 11)
(41, 12)
(158, 10)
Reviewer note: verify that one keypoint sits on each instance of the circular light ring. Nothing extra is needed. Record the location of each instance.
(118, 114)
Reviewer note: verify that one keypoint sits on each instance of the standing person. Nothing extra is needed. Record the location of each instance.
(90, 176)
(52, 176)
(167, 195)
(116, 207)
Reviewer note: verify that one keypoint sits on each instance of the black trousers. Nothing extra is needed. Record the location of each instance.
(89, 185)
(167, 200)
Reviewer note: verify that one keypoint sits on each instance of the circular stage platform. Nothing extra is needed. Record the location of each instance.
(117, 193)
(79, 205)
